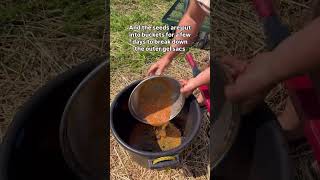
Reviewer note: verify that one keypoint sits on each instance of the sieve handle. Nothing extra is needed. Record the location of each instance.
(164, 162)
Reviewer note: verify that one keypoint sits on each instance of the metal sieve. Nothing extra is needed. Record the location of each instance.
(158, 85)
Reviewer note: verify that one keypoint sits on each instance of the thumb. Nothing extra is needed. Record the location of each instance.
(160, 70)
(187, 88)
(183, 89)
(234, 93)
(186, 91)
(183, 82)
(152, 70)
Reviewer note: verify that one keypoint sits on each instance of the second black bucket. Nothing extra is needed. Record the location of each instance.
(31, 147)
(83, 125)
(122, 124)
(259, 151)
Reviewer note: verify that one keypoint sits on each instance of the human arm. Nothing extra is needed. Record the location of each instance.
(193, 17)
(296, 55)
(202, 79)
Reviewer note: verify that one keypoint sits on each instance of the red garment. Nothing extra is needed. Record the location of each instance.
(306, 102)
(301, 90)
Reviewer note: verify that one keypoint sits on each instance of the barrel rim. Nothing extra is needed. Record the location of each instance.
(18, 121)
(147, 153)
(67, 151)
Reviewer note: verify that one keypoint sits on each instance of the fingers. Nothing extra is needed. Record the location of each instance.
(183, 82)
(155, 69)
(152, 70)
(232, 61)
(188, 87)
(234, 93)
(230, 74)
(234, 65)
(240, 88)
(245, 88)
(160, 70)
(237, 90)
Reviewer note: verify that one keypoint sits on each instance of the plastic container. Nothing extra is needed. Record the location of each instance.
(31, 146)
(259, 152)
(83, 125)
(122, 124)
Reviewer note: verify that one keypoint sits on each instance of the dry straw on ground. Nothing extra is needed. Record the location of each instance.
(33, 53)
(236, 31)
(194, 160)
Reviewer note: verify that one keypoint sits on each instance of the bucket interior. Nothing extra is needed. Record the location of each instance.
(128, 128)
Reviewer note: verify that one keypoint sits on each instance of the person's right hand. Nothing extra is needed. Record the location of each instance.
(158, 67)
(250, 82)
(255, 78)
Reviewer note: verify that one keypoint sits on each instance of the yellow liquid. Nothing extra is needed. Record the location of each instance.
(168, 137)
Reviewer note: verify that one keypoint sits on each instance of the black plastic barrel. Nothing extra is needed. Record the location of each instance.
(84, 123)
(31, 147)
(259, 152)
(122, 124)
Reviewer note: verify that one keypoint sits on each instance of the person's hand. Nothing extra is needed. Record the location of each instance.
(187, 86)
(202, 79)
(250, 81)
(158, 67)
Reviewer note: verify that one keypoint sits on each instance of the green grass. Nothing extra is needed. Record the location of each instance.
(130, 12)
(133, 12)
